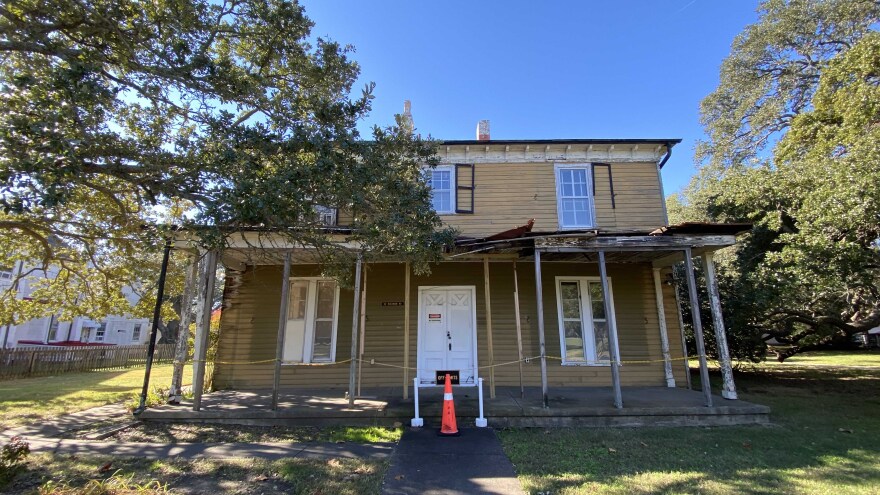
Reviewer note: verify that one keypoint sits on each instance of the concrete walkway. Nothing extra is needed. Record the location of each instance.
(46, 437)
(214, 450)
(473, 463)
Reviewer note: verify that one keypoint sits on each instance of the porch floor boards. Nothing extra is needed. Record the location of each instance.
(569, 406)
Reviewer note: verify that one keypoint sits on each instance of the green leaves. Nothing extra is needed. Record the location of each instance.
(117, 112)
(809, 273)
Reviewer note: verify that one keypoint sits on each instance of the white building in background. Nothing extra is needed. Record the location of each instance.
(112, 330)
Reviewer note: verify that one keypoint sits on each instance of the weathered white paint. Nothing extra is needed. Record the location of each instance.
(728, 388)
(664, 337)
(203, 324)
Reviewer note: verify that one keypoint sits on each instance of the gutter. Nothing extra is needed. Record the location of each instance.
(665, 159)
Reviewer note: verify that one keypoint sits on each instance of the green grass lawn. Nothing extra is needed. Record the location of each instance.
(834, 358)
(825, 438)
(30, 400)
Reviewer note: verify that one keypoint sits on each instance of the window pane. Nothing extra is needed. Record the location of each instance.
(568, 293)
(323, 339)
(296, 308)
(441, 201)
(326, 296)
(579, 182)
(597, 300)
(574, 341)
(600, 334)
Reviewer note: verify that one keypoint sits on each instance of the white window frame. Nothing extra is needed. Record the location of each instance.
(139, 327)
(587, 167)
(309, 333)
(453, 183)
(101, 332)
(586, 321)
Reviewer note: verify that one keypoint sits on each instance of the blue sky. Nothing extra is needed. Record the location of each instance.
(539, 70)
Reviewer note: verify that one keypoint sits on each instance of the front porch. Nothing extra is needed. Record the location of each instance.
(384, 406)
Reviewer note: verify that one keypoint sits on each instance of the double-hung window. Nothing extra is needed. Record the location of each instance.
(583, 322)
(312, 314)
(442, 182)
(101, 332)
(136, 332)
(573, 199)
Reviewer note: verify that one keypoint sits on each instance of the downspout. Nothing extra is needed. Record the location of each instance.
(660, 180)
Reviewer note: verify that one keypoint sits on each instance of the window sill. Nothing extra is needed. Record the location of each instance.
(600, 365)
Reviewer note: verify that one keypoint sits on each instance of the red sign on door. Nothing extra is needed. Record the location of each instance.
(434, 316)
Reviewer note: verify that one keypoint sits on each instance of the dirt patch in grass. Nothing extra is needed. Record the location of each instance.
(207, 433)
(71, 474)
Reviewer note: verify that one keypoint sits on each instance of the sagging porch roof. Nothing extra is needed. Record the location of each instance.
(661, 247)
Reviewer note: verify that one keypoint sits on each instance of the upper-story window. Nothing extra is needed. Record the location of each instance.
(442, 182)
(573, 198)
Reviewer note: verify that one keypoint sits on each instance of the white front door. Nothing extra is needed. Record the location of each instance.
(447, 334)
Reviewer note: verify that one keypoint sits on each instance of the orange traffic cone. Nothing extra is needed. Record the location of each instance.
(448, 426)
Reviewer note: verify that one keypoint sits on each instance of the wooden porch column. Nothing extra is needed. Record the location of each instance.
(406, 332)
(203, 324)
(664, 337)
(489, 328)
(519, 349)
(728, 388)
(698, 326)
(684, 347)
(354, 329)
(363, 331)
(181, 348)
(539, 302)
(612, 333)
(282, 326)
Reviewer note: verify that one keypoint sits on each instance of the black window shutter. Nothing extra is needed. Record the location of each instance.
(464, 187)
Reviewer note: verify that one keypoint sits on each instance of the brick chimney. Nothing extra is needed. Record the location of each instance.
(483, 130)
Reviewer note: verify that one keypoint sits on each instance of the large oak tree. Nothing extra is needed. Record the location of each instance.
(793, 147)
(120, 117)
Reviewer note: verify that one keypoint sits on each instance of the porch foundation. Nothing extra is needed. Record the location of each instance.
(572, 406)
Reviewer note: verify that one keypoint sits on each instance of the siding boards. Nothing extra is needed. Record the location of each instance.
(507, 195)
(250, 321)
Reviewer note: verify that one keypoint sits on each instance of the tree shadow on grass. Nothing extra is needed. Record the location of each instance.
(825, 437)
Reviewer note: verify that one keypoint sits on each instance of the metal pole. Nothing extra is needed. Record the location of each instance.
(539, 294)
(417, 421)
(354, 329)
(282, 326)
(612, 334)
(698, 327)
(519, 345)
(157, 313)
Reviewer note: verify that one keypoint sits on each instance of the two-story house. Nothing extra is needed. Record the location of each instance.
(561, 277)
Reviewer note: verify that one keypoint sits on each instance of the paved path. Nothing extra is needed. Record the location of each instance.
(472, 463)
(45, 437)
(71, 422)
(214, 450)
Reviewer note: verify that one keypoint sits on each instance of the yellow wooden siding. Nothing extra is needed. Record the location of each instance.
(507, 195)
(249, 326)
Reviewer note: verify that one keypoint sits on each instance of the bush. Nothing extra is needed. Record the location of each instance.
(12, 457)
